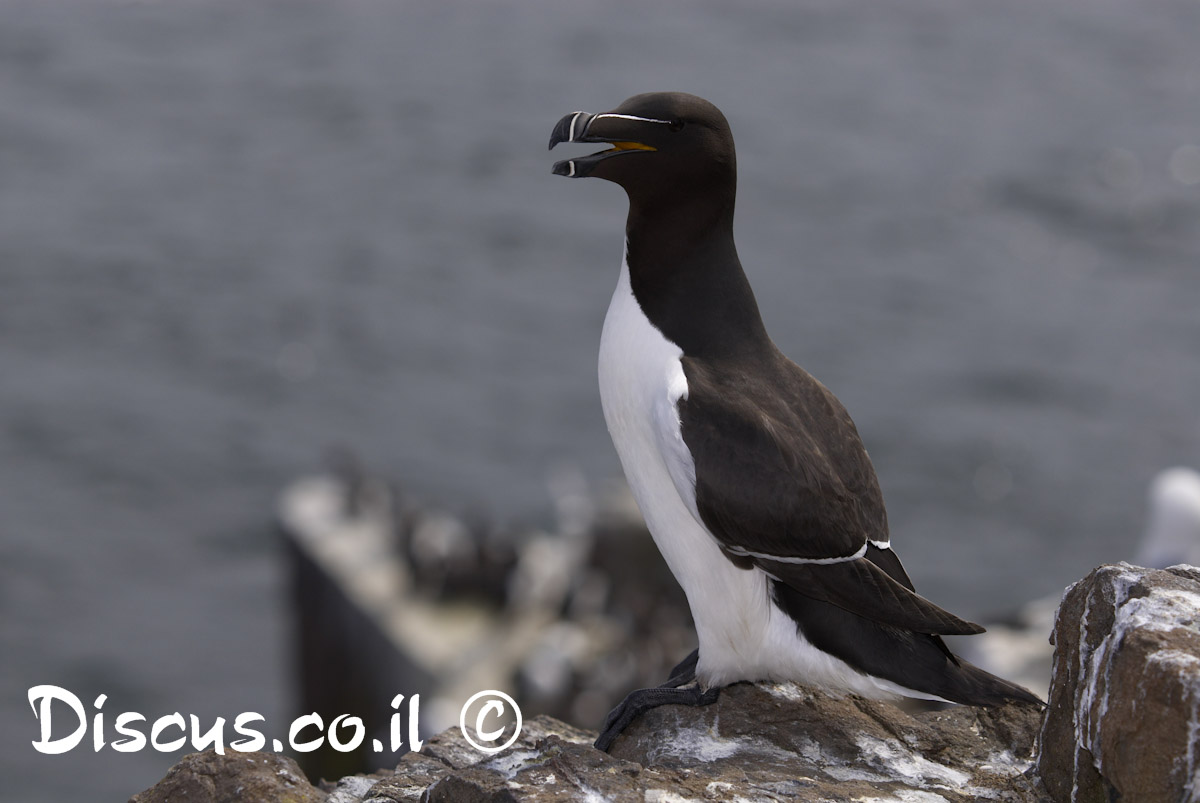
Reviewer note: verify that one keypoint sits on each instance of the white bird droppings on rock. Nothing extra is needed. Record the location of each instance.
(900, 762)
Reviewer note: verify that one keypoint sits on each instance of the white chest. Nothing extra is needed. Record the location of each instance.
(641, 381)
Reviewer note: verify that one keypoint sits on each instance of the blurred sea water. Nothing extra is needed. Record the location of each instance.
(235, 234)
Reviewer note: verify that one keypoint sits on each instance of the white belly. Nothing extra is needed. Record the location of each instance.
(742, 635)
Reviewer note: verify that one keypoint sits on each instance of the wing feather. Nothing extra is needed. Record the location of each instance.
(782, 481)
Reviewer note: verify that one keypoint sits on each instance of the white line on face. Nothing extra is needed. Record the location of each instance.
(631, 117)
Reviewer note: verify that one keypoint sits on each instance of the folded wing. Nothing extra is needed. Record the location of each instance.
(782, 481)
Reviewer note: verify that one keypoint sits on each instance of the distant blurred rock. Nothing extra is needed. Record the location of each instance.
(1124, 708)
(391, 595)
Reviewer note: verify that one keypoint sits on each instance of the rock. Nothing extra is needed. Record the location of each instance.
(351, 789)
(242, 777)
(783, 742)
(758, 742)
(1124, 706)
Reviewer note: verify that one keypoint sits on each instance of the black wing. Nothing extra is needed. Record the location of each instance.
(783, 482)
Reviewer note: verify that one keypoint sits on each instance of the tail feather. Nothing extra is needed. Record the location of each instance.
(914, 660)
(979, 687)
(861, 587)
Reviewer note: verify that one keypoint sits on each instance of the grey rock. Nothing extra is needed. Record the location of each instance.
(758, 742)
(1124, 708)
(232, 778)
(351, 789)
(415, 773)
(783, 742)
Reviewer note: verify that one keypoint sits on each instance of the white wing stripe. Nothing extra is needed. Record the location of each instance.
(740, 552)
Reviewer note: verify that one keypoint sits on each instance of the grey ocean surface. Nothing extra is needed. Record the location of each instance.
(233, 234)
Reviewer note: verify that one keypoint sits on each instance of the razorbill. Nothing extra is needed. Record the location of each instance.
(750, 474)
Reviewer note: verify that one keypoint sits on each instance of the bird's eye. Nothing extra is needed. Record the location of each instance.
(675, 125)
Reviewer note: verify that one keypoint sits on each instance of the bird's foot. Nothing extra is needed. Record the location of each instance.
(684, 672)
(680, 689)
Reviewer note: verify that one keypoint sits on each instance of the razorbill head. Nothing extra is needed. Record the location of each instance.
(749, 472)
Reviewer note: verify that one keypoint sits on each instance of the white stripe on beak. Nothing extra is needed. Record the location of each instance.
(575, 119)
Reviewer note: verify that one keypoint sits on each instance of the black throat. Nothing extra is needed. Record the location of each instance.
(686, 276)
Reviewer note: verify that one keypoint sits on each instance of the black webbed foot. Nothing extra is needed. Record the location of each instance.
(676, 691)
(684, 672)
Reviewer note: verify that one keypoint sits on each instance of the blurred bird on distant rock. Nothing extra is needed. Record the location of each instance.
(1173, 528)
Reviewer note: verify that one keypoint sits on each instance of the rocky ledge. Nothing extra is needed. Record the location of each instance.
(758, 742)
(1122, 721)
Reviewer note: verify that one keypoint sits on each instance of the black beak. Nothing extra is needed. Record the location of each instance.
(577, 127)
(571, 128)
